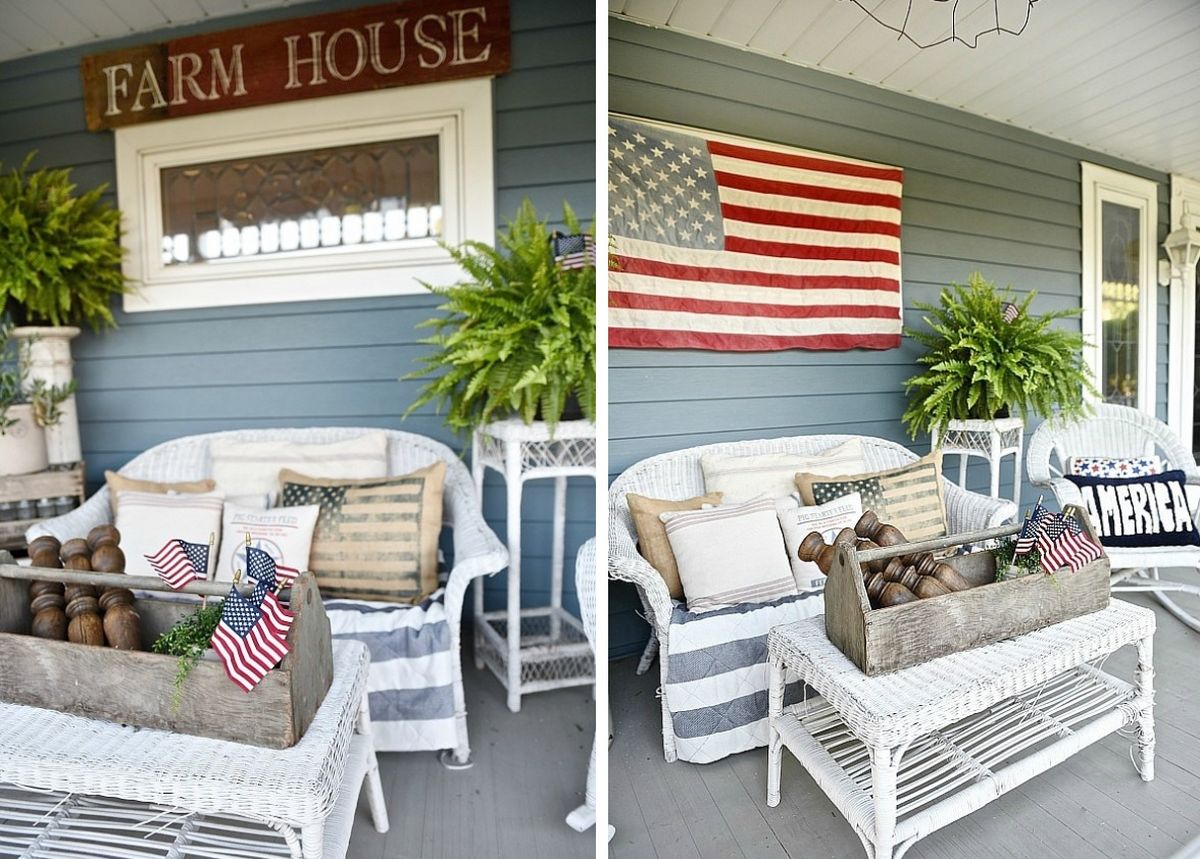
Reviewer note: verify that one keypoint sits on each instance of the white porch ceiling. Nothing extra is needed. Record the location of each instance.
(1116, 76)
(30, 27)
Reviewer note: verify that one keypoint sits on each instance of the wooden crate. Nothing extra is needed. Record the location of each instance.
(888, 639)
(34, 487)
(135, 687)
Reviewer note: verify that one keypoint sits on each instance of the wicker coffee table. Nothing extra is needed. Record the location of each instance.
(79, 787)
(906, 753)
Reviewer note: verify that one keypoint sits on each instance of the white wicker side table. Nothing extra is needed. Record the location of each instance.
(79, 787)
(533, 649)
(906, 753)
(991, 441)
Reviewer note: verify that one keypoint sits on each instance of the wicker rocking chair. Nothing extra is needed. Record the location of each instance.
(1120, 431)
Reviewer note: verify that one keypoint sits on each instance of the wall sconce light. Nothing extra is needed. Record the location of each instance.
(1183, 246)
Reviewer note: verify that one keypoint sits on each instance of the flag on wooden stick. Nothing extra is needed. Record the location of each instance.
(1062, 543)
(728, 244)
(179, 562)
(248, 647)
(262, 568)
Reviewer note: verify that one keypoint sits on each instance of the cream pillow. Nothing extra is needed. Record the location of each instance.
(252, 467)
(773, 474)
(799, 521)
(147, 520)
(730, 554)
(284, 533)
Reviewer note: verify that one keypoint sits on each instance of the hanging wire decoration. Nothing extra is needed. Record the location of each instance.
(941, 21)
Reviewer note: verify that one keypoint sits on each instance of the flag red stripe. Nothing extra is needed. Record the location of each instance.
(641, 301)
(804, 162)
(790, 250)
(652, 338)
(777, 218)
(810, 192)
(738, 277)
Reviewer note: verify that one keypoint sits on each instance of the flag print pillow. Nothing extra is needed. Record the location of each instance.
(1139, 512)
(1108, 466)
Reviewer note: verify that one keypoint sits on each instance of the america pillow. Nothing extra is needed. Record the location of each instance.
(1139, 512)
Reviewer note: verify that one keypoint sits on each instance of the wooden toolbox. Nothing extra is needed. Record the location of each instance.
(136, 687)
(887, 639)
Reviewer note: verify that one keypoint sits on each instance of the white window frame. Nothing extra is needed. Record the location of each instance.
(458, 112)
(1181, 352)
(1101, 185)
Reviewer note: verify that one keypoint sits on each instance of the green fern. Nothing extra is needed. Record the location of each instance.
(518, 336)
(60, 254)
(978, 366)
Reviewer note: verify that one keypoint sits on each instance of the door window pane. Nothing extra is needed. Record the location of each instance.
(1120, 290)
(302, 202)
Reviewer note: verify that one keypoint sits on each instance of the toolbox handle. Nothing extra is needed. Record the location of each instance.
(935, 543)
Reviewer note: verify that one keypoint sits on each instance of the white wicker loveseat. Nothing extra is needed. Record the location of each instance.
(714, 703)
(419, 715)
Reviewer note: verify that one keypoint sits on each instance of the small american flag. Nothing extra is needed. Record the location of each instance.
(1030, 528)
(248, 647)
(179, 562)
(577, 250)
(737, 245)
(262, 568)
(1011, 311)
(1063, 544)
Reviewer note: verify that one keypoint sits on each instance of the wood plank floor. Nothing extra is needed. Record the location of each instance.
(529, 773)
(1093, 805)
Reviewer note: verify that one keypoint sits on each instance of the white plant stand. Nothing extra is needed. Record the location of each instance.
(533, 649)
(904, 754)
(990, 441)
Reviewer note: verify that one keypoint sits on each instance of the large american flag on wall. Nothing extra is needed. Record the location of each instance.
(730, 244)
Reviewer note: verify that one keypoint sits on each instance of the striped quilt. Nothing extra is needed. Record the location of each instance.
(716, 685)
(411, 681)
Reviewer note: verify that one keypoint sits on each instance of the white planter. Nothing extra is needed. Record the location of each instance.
(22, 445)
(47, 353)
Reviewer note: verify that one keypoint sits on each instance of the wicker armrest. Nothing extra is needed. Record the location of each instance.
(625, 564)
(970, 511)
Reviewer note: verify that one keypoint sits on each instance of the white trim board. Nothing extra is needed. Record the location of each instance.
(1101, 184)
(459, 113)
(1181, 351)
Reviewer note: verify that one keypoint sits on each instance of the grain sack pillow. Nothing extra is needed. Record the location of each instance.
(375, 539)
(118, 483)
(653, 544)
(284, 533)
(1139, 512)
(799, 521)
(772, 474)
(909, 497)
(251, 468)
(730, 555)
(147, 520)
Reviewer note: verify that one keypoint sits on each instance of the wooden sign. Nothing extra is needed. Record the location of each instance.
(363, 49)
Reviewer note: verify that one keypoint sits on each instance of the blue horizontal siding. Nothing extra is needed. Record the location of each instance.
(167, 374)
(978, 195)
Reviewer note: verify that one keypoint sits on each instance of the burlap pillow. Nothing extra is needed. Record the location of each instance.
(118, 483)
(652, 533)
(375, 539)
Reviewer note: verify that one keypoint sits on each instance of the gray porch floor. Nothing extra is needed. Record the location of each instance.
(1094, 804)
(529, 773)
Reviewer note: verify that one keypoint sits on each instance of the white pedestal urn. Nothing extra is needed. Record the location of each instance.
(22, 444)
(47, 353)
(989, 440)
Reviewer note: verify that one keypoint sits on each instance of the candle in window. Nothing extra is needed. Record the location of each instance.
(352, 229)
(372, 226)
(331, 231)
(180, 247)
(268, 238)
(435, 220)
(167, 255)
(310, 233)
(231, 241)
(210, 244)
(250, 241)
(393, 224)
(289, 235)
(418, 222)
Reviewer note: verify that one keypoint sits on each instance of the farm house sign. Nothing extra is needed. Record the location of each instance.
(361, 49)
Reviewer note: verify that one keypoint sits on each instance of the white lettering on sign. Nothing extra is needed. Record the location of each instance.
(461, 31)
(148, 85)
(376, 56)
(427, 41)
(233, 74)
(294, 60)
(360, 61)
(116, 87)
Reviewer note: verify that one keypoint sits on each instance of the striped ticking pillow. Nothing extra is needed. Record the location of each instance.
(909, 497)
(147, 520)
(375, 539)
(730, 554)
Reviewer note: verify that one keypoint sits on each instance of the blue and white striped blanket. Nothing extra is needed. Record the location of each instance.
(717, 674)
(411, 681)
